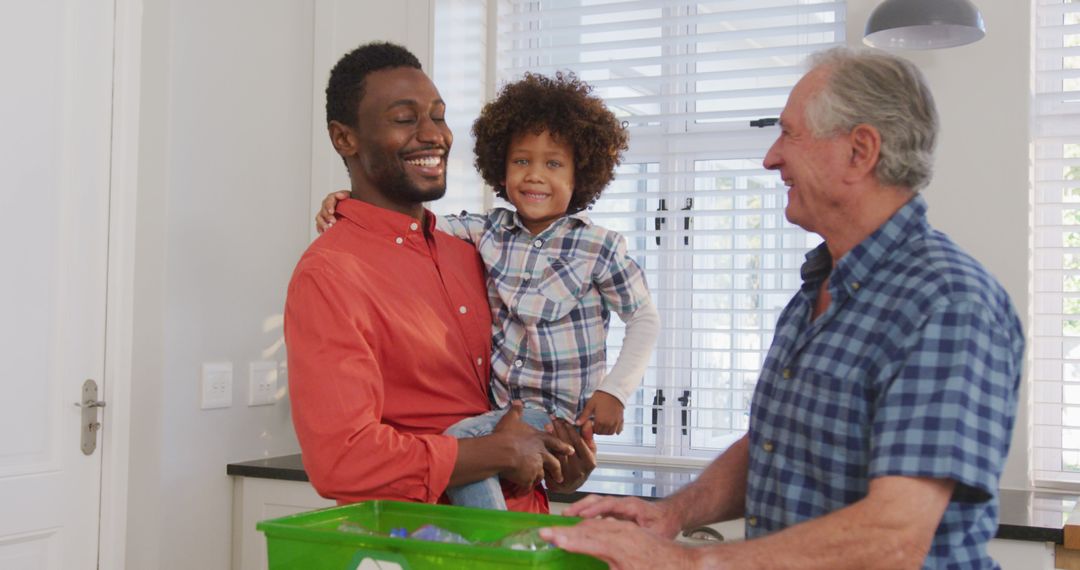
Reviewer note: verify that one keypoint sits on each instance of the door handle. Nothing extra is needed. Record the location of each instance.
(89, 426)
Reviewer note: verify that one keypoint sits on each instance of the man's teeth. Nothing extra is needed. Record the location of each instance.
(427, 161)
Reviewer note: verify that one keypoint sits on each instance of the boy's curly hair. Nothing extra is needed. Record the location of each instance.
(563, 106)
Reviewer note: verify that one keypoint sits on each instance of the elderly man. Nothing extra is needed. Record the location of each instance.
(387, 320)
(883, 414)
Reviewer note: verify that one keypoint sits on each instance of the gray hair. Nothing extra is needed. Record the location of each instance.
(888, 93)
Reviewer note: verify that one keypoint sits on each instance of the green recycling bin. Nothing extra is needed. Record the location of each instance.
(320, 540)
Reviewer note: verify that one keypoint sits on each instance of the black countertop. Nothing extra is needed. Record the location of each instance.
(1025, 515)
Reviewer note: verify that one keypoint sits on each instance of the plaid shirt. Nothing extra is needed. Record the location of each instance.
(551, 298)
(913, 371)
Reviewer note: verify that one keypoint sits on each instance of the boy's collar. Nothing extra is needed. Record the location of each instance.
(511, 220)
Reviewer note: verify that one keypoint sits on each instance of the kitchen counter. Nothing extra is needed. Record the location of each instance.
(1025, 515)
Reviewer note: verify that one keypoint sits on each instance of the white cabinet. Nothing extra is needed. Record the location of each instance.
(1022, 554)
(256, 499)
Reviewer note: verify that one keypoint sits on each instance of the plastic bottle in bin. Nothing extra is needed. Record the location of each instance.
(525, 539)
(438, 534)
(357, 528)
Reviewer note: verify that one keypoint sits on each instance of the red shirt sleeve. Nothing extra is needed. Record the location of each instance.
(337, 392)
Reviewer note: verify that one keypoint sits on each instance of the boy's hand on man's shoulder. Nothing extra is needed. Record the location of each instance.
(324, 218)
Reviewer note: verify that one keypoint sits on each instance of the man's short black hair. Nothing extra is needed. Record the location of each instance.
(346, 85)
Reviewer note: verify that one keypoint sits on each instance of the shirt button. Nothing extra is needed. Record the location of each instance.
(462, 309)
(786, 374)
(413, 226)
(519, 363)
(752, 521)
(538, 243)
(399, 241)
(479, 361)
(768, 446)
(855, 285)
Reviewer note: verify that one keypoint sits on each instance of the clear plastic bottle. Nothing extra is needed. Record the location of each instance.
(438, 534)
(525, 539)
(357, 528)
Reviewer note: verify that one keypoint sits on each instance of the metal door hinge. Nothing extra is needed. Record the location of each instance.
(89, 426)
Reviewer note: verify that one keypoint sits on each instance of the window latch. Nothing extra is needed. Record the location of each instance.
(657, 402)
(685, 401)
(658, 224)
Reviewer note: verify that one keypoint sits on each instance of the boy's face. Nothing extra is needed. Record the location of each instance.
(539, 178)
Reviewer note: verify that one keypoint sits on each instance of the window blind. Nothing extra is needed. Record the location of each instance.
(1056, 228)
(700, 214)
(460, 73)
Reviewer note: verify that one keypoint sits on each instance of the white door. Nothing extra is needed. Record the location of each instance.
(55, 116)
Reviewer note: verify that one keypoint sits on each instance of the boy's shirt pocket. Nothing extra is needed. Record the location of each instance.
(559, 288)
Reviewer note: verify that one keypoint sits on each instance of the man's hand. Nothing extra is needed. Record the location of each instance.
(657, 517)
(606, 412)
(532, 451)
(324, 218)
(576, 468)
(621, 544)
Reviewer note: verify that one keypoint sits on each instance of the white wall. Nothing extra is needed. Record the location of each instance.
(233, 150)
(223, 194)
(979, 194)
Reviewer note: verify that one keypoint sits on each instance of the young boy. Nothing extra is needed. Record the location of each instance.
(549, 147)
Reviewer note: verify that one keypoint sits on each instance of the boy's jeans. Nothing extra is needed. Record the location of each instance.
(487, 494)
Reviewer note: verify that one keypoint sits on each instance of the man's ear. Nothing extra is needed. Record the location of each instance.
(343, 138)
(865, 143)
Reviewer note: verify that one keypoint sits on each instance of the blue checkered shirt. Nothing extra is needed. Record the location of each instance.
(913, 370)
(551, 298)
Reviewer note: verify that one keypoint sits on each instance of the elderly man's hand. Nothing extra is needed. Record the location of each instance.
(623, 545)
(577, 467)
(656, 516)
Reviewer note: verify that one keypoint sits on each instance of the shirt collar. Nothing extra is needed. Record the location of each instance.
(509, 220)
(380, 220)
(857, 265)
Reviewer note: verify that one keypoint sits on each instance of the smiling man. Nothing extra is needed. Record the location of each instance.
(387, 321)
(883, 414)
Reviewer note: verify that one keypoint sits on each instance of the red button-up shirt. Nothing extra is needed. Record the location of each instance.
(388, 332)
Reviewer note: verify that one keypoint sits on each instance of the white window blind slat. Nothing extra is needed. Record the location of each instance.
(708, 12)
(582, 49)
(792, 52)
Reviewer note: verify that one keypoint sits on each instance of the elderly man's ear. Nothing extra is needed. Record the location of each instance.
(343, 138)
(865, 143)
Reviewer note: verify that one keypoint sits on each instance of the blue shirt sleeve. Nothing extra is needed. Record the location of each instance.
(948, 411)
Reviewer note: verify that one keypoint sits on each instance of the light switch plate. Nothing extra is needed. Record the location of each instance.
(217, 385)
(262, 383)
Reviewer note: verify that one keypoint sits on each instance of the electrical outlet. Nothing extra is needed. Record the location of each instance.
(263, 376)
(216, 385)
